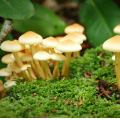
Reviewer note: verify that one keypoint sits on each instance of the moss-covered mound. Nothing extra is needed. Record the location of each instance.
(74, 97)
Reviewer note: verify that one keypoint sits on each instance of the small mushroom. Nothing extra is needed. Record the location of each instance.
(9, 83)
(24, 67)
(113, 45)
(117, 29)
(57, 57)
(68, 46)
(43, 57)
(7, 59)
(50, 43)
(27, 57)
(74, 28)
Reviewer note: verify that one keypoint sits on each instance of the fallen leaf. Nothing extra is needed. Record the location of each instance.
(67, 101)
(54, 111)
(80, 103)
(88, 74)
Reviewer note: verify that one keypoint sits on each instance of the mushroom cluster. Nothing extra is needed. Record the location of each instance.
(31, 56)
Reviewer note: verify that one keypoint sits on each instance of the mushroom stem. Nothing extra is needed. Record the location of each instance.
(52, 50)
(31, 72)
(38, 66)
(117, 68)
(67, 65)
(19, 62)
(15, 75)
(56, 68)
(63, 69)
(34, 68)
(44, 69)
(76, 54)
(48, 70)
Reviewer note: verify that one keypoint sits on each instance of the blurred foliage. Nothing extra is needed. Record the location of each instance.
(99, 17)
(16, 9)
(43, 22)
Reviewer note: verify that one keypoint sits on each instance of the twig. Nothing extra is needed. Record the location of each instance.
(105, 92)
(7, 28)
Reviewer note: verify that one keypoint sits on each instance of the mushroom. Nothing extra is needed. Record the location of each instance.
(31, 38)
(4, 73)
(81, 35)
(74, 37)
(7, 59)
(14, 69)
(68, 46)
(57, 57)
(27, 57)
(50, 42)
(25, 67)
(14, 47)
(43, 57)
(117, 29)
(113, 45)
(74, 28)
(9, 83)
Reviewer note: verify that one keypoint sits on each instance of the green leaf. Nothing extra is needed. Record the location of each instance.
(99, 17)
(43, 22)
(16, 9)
(8, 37)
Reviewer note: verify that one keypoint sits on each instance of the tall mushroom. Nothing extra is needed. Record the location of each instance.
(14, 47)
(31, 38)
(68, 46)
(113, 45)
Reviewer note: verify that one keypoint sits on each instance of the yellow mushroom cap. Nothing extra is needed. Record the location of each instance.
(4, 73)
(13, 68)
(81, 35)
(58, 57)
(112, 44)
(74, 28)
(72, 37)
(30, 38)
(39, 48)
(24, 67)
(50, 42)
(9, 83)
(41, 55)
(12, 46)
(26, 57)
(7, 59)
(117, 29)
(68, 46)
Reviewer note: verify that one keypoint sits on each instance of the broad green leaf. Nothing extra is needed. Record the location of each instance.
(43, 22)
(99, 17)
(8, 37)
(16, 9)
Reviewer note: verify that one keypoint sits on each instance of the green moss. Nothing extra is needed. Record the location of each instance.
(52, 94)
